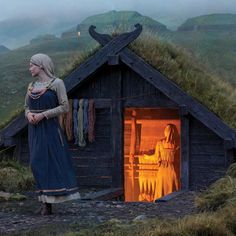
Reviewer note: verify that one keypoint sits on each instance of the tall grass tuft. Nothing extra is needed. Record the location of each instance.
(14, 177)
(232, 171)
(202, 224)
(218, 194)
(228, 215)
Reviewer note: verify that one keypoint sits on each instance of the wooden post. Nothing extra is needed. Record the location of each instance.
(184, 149)
(132, 148)
(229, 153)
(117, 129)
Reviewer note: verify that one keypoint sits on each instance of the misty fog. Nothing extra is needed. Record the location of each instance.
(169, 12)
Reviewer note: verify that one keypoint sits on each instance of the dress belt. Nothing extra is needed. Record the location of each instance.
(38, 111)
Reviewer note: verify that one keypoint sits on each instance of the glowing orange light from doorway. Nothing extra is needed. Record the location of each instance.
(144, 128)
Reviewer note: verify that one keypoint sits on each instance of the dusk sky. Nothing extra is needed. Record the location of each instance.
(71, 12)
(185, 8)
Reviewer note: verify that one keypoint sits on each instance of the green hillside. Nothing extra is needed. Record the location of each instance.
(18, 31)
(4, 49)
(214, 45)
(224, 20)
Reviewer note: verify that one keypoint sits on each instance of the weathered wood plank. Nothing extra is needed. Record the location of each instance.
(95, 181)
(208, 158)
(113, 60)
(149, 101)
(206, 149)
(205, 177)
(185, 153)
(93, 171)
(117, 133)
(204, 138)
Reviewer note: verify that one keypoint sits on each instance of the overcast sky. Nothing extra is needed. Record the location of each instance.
(186, 8)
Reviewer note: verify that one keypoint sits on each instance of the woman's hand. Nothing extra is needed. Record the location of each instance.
(30, 117)
(38, 117)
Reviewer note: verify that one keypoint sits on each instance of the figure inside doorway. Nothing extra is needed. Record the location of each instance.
(165, 156)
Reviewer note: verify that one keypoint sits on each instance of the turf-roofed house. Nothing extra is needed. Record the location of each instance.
(134, 103)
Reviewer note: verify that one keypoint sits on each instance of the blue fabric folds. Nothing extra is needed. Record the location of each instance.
(50, 159)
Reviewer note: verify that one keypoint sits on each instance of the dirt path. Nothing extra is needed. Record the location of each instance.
(19, 216)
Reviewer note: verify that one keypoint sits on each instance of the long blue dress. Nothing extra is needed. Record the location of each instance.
(50, 159)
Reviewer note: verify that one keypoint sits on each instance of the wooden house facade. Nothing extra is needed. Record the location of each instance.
(129, 95)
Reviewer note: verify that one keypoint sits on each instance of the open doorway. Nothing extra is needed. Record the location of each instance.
(151, 153)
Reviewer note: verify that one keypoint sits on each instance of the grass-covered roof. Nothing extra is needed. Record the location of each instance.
(185, 71)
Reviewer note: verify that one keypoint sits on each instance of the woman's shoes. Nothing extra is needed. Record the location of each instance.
(46, 209)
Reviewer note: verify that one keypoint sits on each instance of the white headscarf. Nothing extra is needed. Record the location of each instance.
(44, 62)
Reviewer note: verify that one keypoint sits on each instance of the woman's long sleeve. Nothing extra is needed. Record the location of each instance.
(59, 87)
(157, 152)
(26, 106)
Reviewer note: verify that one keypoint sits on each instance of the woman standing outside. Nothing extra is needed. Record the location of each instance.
(50, 159)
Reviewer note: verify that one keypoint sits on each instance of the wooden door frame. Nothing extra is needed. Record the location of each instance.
(184, 147)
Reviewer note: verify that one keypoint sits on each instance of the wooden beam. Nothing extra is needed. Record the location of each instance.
(229, 152)
(113, 60)
(184, 149)
(183, 110)
(117, 132)
(228, 144)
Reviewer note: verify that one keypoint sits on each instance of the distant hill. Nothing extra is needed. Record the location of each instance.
(212, 39)
(116, 21)
(210, 22)
(18, 32)
(43, 38)
(4, 49)
(123, 20)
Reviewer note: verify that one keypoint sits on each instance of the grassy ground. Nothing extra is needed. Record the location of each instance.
(216, 217)
(49, 230)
